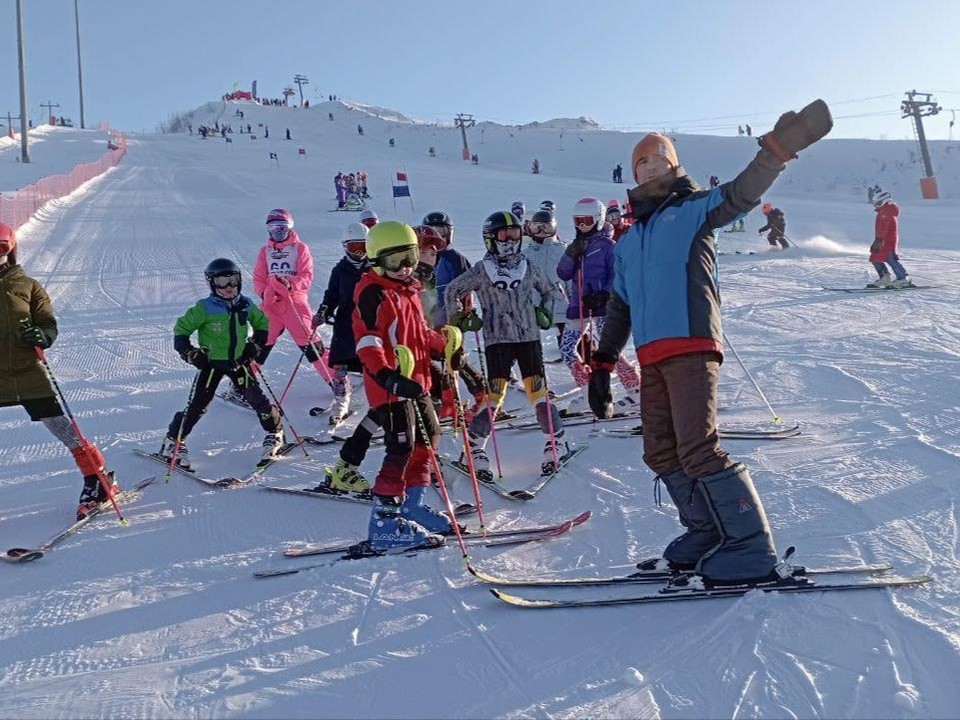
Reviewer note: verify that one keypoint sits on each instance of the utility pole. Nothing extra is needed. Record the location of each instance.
(49, 106)
(300, 81)
(76, 17)
(463, 121)
(24, 150)
(919, 109)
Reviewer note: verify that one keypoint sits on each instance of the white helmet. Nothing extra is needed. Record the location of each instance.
(368, 215)
(590, 207)
(354, 232)
(882, 198)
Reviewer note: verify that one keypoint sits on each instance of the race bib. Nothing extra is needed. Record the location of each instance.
(503, 277)
(282, 261)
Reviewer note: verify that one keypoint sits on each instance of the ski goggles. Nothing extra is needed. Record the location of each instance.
(613, 216)
(225, 281)
(356, 247)
(584, 222)
(509, 233)
(542, 228)
(278, 231)
(397, 258)
(368, 223)
(446, 232)
(5, 247)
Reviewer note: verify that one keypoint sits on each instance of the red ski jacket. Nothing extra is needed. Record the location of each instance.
(887, 233)
(388, 313)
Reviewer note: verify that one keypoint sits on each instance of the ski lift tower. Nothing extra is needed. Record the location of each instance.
(463, 122)
(919, 109)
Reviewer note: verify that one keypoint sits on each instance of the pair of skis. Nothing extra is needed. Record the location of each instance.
(324, 493)
(23, 555)
(860, 290)
(491, 538)
(780, 433)
(687, 586)
(226, 482)
(522, 495)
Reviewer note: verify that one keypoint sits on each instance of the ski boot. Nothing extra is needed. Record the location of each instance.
(906, 282)
(183, 455)
(481, 463)
(416, 509)
(389, 531)
(580, 405)
(551, 466)
(345, 478)
(883, 282)
(94, 493)
(272, 445)
(340, 409)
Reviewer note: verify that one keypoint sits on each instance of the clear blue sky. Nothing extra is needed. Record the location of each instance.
(693, 66)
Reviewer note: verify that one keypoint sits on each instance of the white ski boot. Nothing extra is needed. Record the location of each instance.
(183, 455)
(272, 445)
(339, 409)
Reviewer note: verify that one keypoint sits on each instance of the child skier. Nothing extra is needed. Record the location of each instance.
(222, 322)
(282, 278)
(776, 224)
(337, 310)
(450, 264)
(544, 252)
(388, 321)
(515, 298)
(27, 322)
(666, 294)
(883, 251)
(588, 264)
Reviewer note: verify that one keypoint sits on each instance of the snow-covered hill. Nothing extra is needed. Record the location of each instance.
(163, 619)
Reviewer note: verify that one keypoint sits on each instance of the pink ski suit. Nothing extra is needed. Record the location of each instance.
(282, 277)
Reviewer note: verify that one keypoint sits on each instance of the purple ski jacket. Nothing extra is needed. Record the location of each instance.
(597, 263)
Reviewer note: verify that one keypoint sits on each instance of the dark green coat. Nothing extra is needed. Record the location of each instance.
(21, 377)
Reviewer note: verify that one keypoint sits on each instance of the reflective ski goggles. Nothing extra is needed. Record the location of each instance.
(514, 232)
(225, 281)
(278, 231)
(613, 216)
(356, 247)
(584, 222)
(397, 258)
(368, 223)
(542, 228)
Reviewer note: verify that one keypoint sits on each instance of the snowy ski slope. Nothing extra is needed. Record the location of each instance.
(163, 619)
(53, 151)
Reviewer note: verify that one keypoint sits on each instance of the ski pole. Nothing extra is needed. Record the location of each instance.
(296, 368)
(406, 363)
(462, 422)
(253, 372)
(101, 475)
(491, 415)
(183, 419)
(553, 437)
(325, 373)
(776, 418)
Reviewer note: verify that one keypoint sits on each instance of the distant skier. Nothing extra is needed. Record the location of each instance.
(340, 183)
(535, 168)
(359, 129)
(776, 224)
(518, 209)
(27, 322)
(884, 250)
(368, 218)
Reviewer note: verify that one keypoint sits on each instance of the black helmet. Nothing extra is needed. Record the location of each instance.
(437, 217)
(548, 205)
(496, 222)
(222, 267)
(443, 224)
(544, 217)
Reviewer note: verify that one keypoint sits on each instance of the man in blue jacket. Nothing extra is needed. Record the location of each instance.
(666, 292)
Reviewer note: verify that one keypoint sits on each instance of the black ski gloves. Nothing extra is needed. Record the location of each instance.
(598, 392)
(396, 384)
(596, 300)
(797, 131)
(34, 335)
(577, 248)
(198, 357)
(323, 316)
(251, 353)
